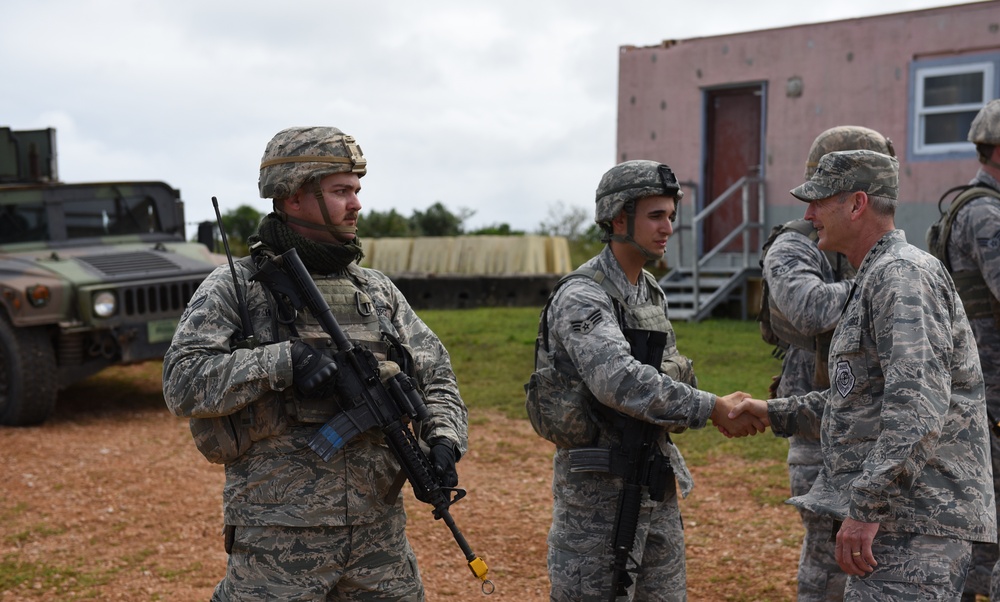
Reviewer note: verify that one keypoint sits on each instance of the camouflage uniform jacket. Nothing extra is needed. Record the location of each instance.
(803, 287)
(279, 480)
(587, 341)
(904, 430)
(974, 244)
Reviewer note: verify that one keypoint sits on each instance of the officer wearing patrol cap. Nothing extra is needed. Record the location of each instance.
(298, 527)
(972, 254)
(606, 349)
(905, 446)
(806, 288)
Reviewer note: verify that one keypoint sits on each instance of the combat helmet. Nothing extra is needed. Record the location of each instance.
(985, 131)
(845, 138)
(300, 155)
(623, 185)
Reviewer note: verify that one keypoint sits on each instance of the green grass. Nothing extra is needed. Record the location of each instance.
(43, 577)
(728, 355)
(492, 351)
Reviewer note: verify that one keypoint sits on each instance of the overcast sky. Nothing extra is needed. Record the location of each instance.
(503, 108)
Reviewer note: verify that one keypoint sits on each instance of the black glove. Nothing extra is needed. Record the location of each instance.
(313, 374)
(443, 457)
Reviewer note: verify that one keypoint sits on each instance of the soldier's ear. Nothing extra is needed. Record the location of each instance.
(620, 219)
(859, 202)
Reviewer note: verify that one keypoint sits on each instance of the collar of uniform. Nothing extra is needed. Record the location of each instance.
(616, 274)
(984, 178)
(879, 249)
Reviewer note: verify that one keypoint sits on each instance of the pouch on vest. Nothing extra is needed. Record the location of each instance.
(223, 439)
(560, 414)
(679, 368)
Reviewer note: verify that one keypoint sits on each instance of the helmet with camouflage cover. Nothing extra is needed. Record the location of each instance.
(985, 132)
(623, 185)
(630, 181)
(296, 155)
(301, 156)
(986, 126)
(845, 138)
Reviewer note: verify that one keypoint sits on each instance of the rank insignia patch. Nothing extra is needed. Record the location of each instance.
(587, 324)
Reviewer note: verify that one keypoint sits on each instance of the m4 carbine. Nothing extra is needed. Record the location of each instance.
(368, 402)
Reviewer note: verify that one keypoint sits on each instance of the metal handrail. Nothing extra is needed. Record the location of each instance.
(745, 228)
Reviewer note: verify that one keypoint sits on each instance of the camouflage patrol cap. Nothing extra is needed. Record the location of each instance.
(849, 171)
(296, 154)
(986, 126)
(843, 138)
(630, 181)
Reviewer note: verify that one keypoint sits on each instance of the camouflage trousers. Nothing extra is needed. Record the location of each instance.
(357, 563)
(984, 575)
(913, 568)
(820, 578)
(658, 548)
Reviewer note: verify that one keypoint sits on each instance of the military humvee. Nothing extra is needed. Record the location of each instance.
(91, 275)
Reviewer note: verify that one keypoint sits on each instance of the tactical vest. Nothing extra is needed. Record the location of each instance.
(977, 298)
(226, 438)
(355, 312)
(561, 409)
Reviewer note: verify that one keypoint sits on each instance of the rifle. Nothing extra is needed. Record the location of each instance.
(637, 460)
(640, 464)
(368, 402)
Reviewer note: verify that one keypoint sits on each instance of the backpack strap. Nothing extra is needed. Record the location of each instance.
(940, 245)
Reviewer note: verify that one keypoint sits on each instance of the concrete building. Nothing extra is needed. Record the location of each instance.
(734, 116)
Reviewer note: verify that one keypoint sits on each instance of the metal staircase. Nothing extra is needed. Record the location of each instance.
(694, 299)
(695, 288)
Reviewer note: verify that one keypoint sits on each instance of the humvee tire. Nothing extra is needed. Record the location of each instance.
(28, 379)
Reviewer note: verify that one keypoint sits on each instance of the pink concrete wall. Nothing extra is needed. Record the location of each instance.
(854, 71)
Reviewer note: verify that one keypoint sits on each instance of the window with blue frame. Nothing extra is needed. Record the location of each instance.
(946, 95)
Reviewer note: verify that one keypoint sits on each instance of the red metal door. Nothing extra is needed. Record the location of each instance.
(733, 136)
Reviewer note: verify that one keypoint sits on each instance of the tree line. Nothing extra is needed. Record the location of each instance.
(573, 222)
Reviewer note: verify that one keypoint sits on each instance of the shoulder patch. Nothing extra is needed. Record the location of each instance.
(587, 324)
(196, 303)
(781, 270)
(992, 242)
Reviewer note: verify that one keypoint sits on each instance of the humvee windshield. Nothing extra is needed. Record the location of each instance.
(84, 218)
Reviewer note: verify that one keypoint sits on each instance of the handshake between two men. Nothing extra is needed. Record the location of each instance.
(739, 415)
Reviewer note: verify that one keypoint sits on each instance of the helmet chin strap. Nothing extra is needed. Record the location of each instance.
(332, 229)
(327, 226)
(628, 239)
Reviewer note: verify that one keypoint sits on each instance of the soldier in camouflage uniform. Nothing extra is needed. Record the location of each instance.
(973, 257)
(298, 528)
(807, 289)
(905, 445)
(590, 371)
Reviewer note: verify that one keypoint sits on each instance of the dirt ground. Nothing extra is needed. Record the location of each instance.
(110, 500)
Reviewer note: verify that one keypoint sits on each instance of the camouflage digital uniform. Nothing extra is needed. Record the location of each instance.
(302, 528)
(808, 289)
(974, 249)
(592, 355)
(973, 246)
(804, 288)
(904, 429)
